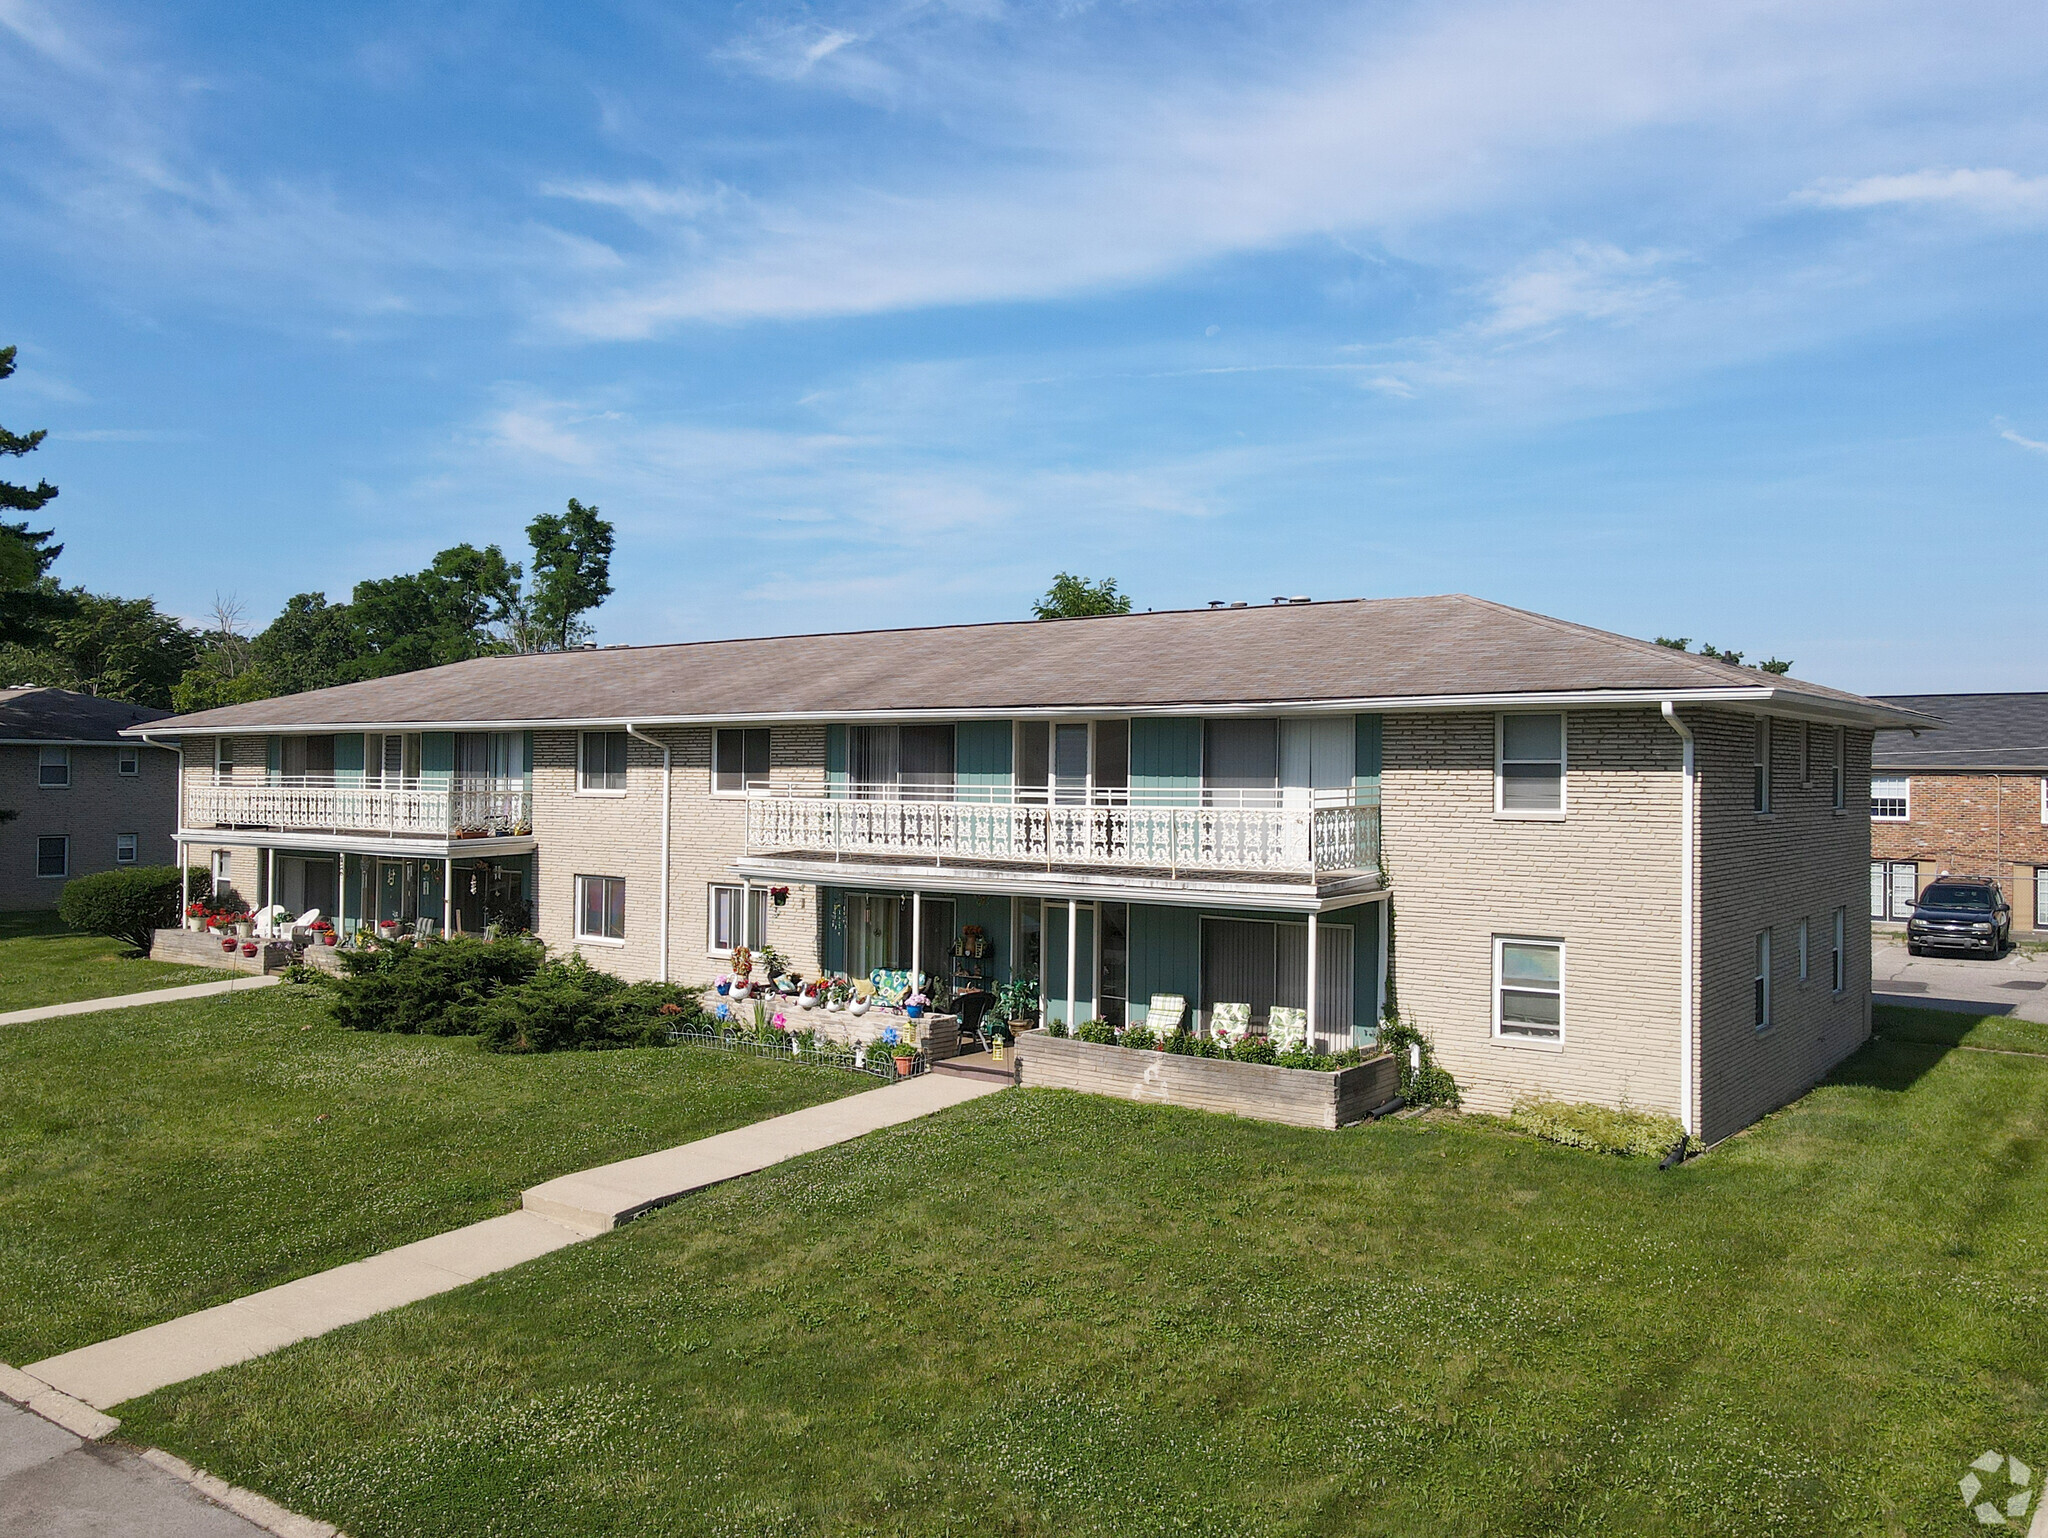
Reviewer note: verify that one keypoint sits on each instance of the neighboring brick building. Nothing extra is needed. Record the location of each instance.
(85, 799)
(1588, 866)
(1970, 801)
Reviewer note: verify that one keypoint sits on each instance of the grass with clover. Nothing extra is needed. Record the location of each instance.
(1043, 1313)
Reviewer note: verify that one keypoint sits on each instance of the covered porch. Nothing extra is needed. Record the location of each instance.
(1104, 957)
(462, 887)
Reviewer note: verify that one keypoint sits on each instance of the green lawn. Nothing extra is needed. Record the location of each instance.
(1953, 1028)
(162, 1159)
(42, 962)
(1043, 1313)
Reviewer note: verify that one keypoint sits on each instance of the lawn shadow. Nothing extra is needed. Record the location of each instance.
(33, 924)
(1908, 1041)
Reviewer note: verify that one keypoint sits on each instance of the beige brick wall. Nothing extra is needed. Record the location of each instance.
(1802, 861)
(252, 763)
(1604, 880)
(582, 834)
(100, 804)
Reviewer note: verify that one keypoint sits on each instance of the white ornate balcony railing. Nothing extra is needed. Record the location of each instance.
(418, 808)
(1290, 840)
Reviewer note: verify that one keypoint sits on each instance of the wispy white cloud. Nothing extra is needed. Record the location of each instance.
(1992, 191)
(1585, 280)
(2010, 436)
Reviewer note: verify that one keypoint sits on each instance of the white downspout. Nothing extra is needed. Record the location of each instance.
(1689, 801)
(667, 803)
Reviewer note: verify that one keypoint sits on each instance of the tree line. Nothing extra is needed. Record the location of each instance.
(467, 602)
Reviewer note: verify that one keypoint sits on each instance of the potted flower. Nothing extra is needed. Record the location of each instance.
(863, 996)
(195, 916)
(248, 947)
(723, 984)
(837, 993)
(914, 1005)
(779, 895)
(228, 941)
(902, 1049)
(325, 931)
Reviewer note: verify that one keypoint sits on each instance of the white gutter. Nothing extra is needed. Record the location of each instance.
(1791, 703)
(667, 804)
(1689, 801)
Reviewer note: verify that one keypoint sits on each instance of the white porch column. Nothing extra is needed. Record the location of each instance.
(916, 935)
(1073, 955)
(1312, 980)
(270, 882)
(748, 938)
(447, 896)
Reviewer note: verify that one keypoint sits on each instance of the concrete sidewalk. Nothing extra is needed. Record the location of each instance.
(135, 1000)
(557, 1213)
(56, 1485)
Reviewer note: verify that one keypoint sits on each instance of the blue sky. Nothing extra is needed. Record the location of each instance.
(1722, 319)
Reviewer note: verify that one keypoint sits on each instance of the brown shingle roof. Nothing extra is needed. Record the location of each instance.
(1382, 650)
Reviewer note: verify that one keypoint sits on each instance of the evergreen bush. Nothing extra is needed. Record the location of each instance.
(128, 905)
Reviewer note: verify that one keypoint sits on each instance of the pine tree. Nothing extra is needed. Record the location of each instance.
(27, 606)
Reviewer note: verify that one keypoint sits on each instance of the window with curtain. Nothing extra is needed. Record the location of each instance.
(53, 856)
(1112, 762)
(925, 761)
(728, 909)
(739, 758)
(1530, 779)
(1034, 760)
(53, 768)
(1241, 762)
(604, 762)
(1760, 768)
(124, 848)
(1760, 984)
(600, 908)
(1890, 798)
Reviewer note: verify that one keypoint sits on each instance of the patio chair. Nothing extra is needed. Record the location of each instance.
(1165, 1015)
(891, 987)
(299, 930)
(272, 923)
(1287, 1028)
(1230, 1023)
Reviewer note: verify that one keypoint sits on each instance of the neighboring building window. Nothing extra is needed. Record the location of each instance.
(1760, 766)
(223, 760)
(1761, 983)
(53, 857)
(131, 761)
(1802, 950)
(604, 761)
(223, 863)
(53, 768)
(124, 848)
(727, 928)
(1890, 798)
(739, 758)
(1528, 989)
(600, 908)
(1806, 753)
(2044, 812)
(1529, 772)
(1841, 957)
(1841, 767)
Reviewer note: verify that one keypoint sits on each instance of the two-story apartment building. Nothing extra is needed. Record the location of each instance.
(84, 799)
(1588, 866)
(1969, 801)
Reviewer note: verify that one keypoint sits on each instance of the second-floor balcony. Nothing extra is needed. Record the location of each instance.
(431, 807)
(1326, 833)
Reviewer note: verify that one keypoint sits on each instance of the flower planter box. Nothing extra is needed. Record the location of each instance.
(1296, 1097)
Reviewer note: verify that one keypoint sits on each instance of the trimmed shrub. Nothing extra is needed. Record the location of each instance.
(430, 989)
(128, 905)
(568, 1004)
(1424, 1081)
(1101, 1032)
(1639, 1134)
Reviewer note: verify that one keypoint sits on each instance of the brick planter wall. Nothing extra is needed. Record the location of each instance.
(1296, 1097)
(203, 950)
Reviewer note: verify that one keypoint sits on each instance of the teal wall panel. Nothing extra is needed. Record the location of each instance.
(1166, 759)
(437, 755)
(835, 760)
(348, 758)
(1166, 953)
(993, 915)
(981, 754)
(1365, 778)
(273, 755)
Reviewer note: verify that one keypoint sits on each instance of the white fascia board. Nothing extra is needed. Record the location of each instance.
(1185, 893)
(1760, 698)
(331, 843)
(75, 742)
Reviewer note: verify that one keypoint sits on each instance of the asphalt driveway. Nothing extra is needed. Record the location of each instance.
(2016, 984)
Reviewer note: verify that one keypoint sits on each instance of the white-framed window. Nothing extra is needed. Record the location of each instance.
(1891, 798)
(223, 760)
(601, 908)
(1760, 984)
(1842, 951)
(124, 848)
(1528, 775)
(1806, 753)
(392, 758)
(53, 856)
(734, 920)
(1528, 989)
(1802, 950)
(1760, 768)
(739, 758)
(602, 764)
(53, 768)
(223, 868)
(1841, 768)
(131, 761)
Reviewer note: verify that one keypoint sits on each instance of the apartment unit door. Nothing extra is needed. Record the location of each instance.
(1894, 884)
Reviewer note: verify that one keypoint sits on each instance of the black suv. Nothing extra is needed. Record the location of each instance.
(1959, 913)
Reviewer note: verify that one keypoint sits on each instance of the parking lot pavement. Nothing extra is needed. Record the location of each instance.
(56, 1485)
(2016, 984)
